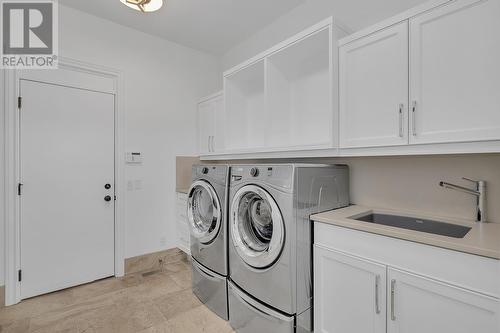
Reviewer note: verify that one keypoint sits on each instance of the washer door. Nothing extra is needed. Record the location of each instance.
(257, 227)
(204, 212)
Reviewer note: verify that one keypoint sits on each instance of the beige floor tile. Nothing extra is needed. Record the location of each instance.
(199, 319)
(177, 303)
(105, 286)
(182, 279)
(128, 318)
(156, 302)
(73, 317)
(162, 328)
(20, 326)
(35, 306)
(151, 287)
(176, 267)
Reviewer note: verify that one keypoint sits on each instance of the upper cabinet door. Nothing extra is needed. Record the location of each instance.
(349, 294)
(374, 89)
(206, 124)
(455, 73)
(417, 304)
(219, 119)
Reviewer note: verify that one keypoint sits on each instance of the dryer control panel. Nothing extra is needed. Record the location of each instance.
(274, 175)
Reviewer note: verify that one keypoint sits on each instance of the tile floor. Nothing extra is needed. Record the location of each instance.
(154, 302)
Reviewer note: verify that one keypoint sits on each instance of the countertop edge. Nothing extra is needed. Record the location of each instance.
(404, 234)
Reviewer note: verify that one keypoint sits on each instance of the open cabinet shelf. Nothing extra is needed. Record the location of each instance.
(299, 93)
(284, 98)
(245, 116)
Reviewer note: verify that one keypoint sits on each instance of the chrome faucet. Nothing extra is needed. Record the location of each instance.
(479, 193)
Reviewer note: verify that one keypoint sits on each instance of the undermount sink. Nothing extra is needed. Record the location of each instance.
(411, 223)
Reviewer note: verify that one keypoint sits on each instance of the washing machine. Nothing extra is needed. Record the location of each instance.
(207, 219)
(270, 243)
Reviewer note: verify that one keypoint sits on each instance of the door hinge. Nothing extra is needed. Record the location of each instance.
(19, 102)
(19, 186)
(19, 275)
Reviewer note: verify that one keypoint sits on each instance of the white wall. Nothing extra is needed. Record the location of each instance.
(356, 14)
(163, 82)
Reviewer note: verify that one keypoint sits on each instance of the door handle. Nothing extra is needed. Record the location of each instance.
(393, 294)
(107, 198)
(414, 118)
(401, 106)
(377, 305)
(107, 186)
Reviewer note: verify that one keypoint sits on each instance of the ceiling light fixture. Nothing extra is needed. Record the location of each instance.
(144, 6)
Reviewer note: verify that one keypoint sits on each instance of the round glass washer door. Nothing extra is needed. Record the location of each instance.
(257, 227)
(204, 212)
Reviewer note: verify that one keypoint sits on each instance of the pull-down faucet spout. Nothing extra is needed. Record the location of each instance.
(479, 193)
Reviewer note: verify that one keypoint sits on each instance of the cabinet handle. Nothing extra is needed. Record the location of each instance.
(208, 144)
(393, 292)
(213, 143)
(401, 134)
(414, 117)
(377, 305)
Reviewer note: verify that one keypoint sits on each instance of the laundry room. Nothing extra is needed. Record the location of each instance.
(220, 166)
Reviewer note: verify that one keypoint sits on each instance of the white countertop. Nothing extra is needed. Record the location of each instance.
(483, 239)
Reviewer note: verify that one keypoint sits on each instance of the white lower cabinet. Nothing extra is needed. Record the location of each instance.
(419, 304)
(183, 233)
(349, 294)
(366, 283)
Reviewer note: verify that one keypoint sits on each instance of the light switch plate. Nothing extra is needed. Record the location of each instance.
(133, 158)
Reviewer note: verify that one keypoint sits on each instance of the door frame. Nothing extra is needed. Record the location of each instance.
(112, 80)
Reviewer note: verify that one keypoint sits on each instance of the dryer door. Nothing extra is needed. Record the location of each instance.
(257, 227)
(204, 212)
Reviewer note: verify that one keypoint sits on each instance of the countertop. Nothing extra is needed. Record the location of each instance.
(182, 190)
(483, 239)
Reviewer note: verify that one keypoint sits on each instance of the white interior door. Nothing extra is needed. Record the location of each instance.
(67, 158)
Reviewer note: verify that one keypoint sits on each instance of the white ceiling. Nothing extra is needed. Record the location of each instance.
(215, 26)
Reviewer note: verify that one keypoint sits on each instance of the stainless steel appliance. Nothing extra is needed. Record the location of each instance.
(270, 247)
(207, 217)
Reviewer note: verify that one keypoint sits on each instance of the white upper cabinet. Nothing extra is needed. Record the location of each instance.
(220, 129)
(211, 125)
(206, 125)
(418, 304)
(349, 294)
(455, 73)
(374, 89)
